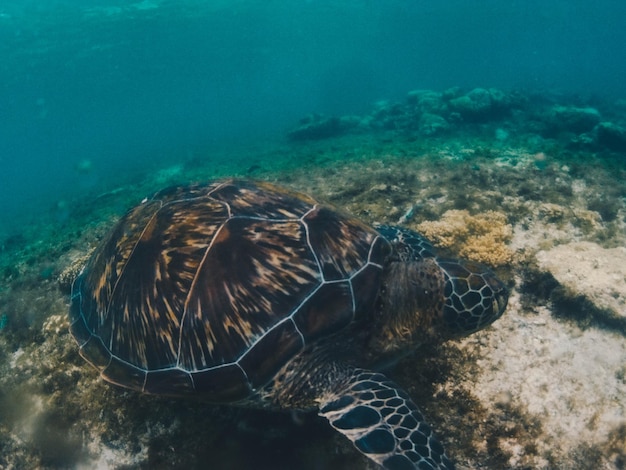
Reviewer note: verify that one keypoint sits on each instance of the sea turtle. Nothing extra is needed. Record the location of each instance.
(246, 293)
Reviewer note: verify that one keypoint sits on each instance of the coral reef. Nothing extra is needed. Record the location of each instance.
(430, 113)
(480, 104)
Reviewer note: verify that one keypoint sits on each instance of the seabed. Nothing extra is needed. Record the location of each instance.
(533, 185)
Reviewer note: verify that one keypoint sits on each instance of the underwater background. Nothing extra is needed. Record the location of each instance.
(92, 91)
(495, 128)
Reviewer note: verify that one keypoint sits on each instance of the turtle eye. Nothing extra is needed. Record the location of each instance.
(474, 297)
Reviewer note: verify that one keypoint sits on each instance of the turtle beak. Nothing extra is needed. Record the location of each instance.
(473, 297)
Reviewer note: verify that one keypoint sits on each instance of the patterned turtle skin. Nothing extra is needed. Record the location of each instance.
(243, 292)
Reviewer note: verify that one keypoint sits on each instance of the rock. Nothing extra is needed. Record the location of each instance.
(481, 104)
(432, 124)
(453, 92)
(475, 103)
(414, 96)
(611, 136)
(590, 273)
(391, 115)
(426, 101)
(571, 119)
(566, 383)
(317, 127)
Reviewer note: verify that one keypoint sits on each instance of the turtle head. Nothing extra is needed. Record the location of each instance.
(433, 299)
(473, 297)
(447, 297)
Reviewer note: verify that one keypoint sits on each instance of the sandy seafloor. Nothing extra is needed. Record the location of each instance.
(544, 387)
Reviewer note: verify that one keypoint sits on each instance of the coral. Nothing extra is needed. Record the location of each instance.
(431, 124)
(587, 221)
(426, 101)
(481, 104)
(482, 237)
(572, 119)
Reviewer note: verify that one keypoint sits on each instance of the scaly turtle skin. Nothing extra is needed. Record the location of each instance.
(246, 293)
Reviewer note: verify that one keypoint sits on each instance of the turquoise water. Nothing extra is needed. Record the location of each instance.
(91, 90)
(497, 129)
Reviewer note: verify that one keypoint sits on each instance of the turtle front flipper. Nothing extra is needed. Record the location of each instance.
(382, 422)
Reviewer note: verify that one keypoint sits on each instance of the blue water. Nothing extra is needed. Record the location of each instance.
(91, 91)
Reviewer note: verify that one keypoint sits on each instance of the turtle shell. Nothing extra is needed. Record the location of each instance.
(212, 289)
